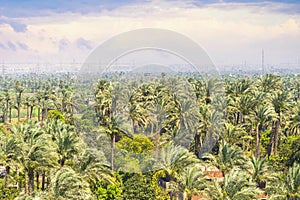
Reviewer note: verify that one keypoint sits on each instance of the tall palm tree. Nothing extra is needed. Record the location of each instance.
(293, 182)
(281, 103)
(9, 149)
(91, 164)
(269, 83)
(191, 181)
(67, 184)
(259, 171)
(37, 151)
(7, 98)
(236, 185)
(262, 116)
(109, 124)
(227, 158)
(68, 143)
(19, 90)
(173, 159)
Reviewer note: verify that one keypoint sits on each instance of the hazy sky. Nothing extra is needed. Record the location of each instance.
(231, 31)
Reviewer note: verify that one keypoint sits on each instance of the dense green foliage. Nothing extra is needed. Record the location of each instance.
(150, 138)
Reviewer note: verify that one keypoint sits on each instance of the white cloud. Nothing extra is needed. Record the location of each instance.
(231, 33)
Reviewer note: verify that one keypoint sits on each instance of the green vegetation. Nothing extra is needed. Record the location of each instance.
(161, 137)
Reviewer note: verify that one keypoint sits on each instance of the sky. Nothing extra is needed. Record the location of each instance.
(233, 32)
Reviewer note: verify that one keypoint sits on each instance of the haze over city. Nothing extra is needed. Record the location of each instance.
(232, 32)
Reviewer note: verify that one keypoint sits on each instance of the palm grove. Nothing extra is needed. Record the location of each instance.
(82, 138)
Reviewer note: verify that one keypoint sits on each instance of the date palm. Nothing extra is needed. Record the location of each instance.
(173, 159)
(9, 148)
(269, 83)
(109, 124)
(260, 171)
(281, 104)
(91, 164)
(236, 185)
(191, 181)
(7, 97)
(19, 90)
(67, 184)
(68, 143)
(293, 182)
(38, 150)
(227, 158)
(262, 116)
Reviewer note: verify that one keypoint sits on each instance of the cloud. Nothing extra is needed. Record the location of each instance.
(82, 43)
(2, 46)
(36, 8)
(22, 46)
(11, 46)
(16, 26)
(231, 32)
(63, 44)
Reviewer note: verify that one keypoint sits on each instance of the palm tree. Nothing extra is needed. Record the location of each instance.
(19, 90)
(293, 182)
(67, 184)
(227, 158)
(109, 124)
(9, 148)
(68, 143)
(235, 186)
(3, 108)
(191, 181)
(262, 116)
(7, 98)
(91, 164)
(294, 126)
(269, 83)
(173, 159)
(38, 151)
(234, 134)
(260, 172)
(286, 187)
(281, 103)
(116, 127)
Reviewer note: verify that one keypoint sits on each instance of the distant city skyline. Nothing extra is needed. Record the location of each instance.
(233, 32)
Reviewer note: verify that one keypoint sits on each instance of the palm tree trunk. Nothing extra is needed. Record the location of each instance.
(62, 162)
(43, 181)
(37, 181)
(6, 111)
(46, 113)
(26, 183)
(39, 114)
(276, 133)
(7, 168)
(270, 148)
(113, 141)
(157, 147)
(48, 180)
(31, 111)
(10, 115)
(27, 113)
(30, 181)
(257, 148)
(18, 173)
(19, 111)
(113, 151)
